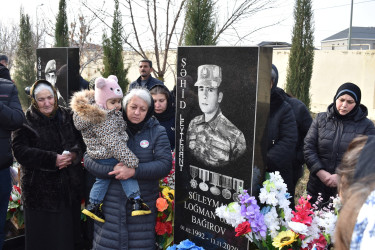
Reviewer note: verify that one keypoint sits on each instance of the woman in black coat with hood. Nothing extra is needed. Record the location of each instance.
(329, 137)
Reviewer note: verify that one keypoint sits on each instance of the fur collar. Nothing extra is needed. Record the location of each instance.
(83, 104)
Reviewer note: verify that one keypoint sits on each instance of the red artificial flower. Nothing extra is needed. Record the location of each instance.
(161, 204)
(168, 227)
(243, 228)
(303, 211)
(160, 228)
(10, 198)
(320, 243)
(17, 188)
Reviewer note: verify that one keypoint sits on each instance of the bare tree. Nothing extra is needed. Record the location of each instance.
(159, 25)
(9, 37)
(80, 36)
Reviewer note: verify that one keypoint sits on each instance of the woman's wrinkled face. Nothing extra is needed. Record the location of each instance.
(160, 102)
(136, 110)
(45, 101)
(345, 104)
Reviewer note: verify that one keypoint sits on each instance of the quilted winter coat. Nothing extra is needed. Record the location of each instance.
(121, 230)
(326, 142)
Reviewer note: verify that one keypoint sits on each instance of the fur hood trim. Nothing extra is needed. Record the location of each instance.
(83, 104)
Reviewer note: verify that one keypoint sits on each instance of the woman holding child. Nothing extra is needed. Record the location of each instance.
(149, 142)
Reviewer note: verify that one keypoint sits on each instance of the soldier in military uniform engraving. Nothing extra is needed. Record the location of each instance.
(50, 75)
(211, 137)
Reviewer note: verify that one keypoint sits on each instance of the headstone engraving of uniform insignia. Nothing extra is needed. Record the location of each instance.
(238, 185)
(193, 173)
(226, 183)
(215, 181)
(204, 175)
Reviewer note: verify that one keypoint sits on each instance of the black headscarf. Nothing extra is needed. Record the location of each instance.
(170, 110)
(348, 89)
(134, 128)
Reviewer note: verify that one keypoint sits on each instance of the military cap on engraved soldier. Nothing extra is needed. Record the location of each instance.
(209, 76)
(50, 67)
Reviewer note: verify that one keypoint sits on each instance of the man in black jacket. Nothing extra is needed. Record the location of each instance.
(11, 118)
(4, 71)
(304, 120)
(145, 80)
(282, 137)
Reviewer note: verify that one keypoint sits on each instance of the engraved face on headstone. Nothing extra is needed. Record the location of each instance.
(50, 72)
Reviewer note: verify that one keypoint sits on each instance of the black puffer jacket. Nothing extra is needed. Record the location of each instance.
(327, 141)
(121, 230)
(35, 147)
(11, 118)
(282, 138)
(303, 119)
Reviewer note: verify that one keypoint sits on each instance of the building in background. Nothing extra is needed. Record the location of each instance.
(363, 38)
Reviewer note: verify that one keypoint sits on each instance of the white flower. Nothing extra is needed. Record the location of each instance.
(298, 227)
(231, 214)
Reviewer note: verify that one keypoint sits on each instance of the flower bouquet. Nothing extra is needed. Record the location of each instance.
(274, 225)
(15, 208)
(165, 206)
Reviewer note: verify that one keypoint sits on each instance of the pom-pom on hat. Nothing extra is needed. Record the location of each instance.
(349, 89)
(107, 88)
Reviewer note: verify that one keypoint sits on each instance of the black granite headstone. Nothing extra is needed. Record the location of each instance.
(222, 112)
(60, 66)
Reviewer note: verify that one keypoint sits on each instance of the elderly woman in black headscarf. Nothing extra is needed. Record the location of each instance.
(49, 149)
(329, 137)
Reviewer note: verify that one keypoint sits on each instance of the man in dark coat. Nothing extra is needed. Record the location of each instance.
(282, 137)
(11, 118)
(145, 80)
(303, 120)
(4, 71)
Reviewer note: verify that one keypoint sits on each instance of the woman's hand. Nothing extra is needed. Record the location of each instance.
(122, 172)
(330, 180)
(62, 161)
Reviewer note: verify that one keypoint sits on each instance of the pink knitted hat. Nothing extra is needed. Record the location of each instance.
(106, 89)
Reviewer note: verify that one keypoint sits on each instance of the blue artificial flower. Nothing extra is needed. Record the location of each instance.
(174, 247)
(186, 244)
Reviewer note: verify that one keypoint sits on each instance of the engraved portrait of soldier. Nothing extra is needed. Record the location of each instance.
(211, 138)
(51, 75)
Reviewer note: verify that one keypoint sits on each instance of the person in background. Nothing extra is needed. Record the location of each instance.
(11, 118)
(97, 115)
(303, 120)
(282, 137)
(329, 136)
(149, 142)
(49, 150)
(356, 185)
(165, 110)
(145, 79)
(4, 71)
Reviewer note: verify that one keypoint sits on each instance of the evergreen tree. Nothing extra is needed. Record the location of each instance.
(25, 73)
(301, 57)
(61, 29)
(113, 52)
(200, 24)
